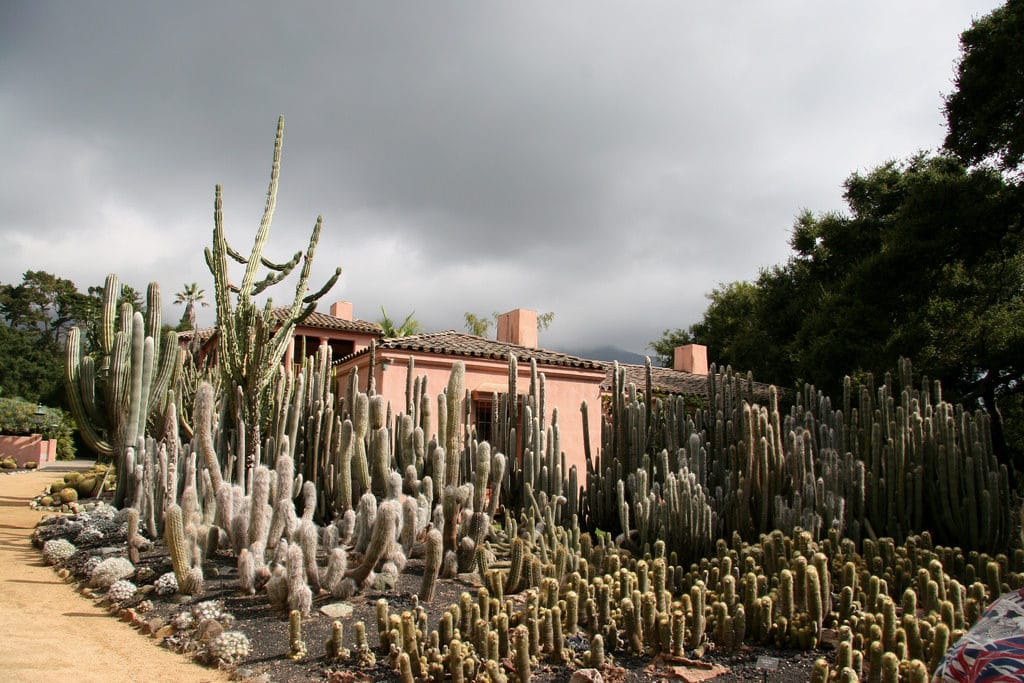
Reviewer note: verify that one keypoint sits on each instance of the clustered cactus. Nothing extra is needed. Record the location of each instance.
(740, 466)
(229, 647)
(115, 401)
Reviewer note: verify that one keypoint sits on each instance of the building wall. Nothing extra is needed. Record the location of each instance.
(30, 448)
(565, 389)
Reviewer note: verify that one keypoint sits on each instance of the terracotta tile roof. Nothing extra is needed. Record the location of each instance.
(671, 381)
(664, 379)
(467, 345)
(324, 321)
(203, 333)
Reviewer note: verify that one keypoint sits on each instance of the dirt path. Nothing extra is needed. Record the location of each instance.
(50, 632)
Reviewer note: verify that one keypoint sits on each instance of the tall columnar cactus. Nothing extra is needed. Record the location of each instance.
(432, 565)
(453, 423)
(252, 341)
(177, 544)
(118, 399)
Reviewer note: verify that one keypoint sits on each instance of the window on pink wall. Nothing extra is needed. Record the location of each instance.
(483, 415)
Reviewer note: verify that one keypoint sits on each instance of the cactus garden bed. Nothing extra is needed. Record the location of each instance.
(492, 578)
(192, 625)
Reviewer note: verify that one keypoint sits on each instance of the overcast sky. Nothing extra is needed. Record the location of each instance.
(610, 162)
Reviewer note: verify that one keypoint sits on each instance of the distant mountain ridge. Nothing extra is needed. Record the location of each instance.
(607, 354)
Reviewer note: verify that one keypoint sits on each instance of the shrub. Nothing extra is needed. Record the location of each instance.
(18, 417)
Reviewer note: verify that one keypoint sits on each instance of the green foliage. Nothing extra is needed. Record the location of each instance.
(18, 417)
(728, 329)
(30, 368)
(43, 302)
(664, 346)
(984, 111)
(38, 313)
(927, 264)
(478, 326)
(408, 327)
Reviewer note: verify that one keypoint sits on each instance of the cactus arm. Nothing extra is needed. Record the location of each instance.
(245, 289)
(279, 271)
(81, 396)
(110, 290)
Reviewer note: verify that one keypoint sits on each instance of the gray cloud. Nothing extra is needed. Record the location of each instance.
(610, 163)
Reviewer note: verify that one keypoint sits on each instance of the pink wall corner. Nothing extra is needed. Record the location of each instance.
(51, 450)
(24, 449)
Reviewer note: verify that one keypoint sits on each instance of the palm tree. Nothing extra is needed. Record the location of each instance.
(408, 327)
(190, 295)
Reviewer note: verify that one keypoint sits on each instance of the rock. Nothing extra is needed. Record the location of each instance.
(337, 610)
(208, 629)
(152, 626)
(164, 632)
(469, 578)
(586, 676)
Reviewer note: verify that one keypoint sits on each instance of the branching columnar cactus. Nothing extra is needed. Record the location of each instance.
(117, 400)
(251, 341)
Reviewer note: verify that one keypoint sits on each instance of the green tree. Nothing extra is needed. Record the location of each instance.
(478, 326)
(984, 112)
(37, 313)
(42, 302)
(664, 346)
(30, 369)
(408, 327)
(927, 264)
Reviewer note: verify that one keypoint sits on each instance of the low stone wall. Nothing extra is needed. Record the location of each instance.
(25, 449)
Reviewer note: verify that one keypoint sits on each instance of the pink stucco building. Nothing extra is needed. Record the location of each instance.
(569, 381)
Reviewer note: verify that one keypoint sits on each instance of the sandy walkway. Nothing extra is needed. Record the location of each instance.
(49, 632)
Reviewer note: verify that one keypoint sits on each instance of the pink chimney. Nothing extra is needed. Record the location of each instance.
(518, 327)
(692, 358)
(342, 309)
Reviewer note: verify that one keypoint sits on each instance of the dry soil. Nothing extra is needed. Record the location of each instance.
(51, 633)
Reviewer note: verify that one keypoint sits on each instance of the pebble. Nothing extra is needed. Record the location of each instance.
(586, 676)
(337, 610)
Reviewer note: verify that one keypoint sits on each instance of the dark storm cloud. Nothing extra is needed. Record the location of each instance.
(609, 163)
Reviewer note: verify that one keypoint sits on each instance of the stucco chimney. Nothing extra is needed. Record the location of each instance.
(518, 327)
(342, 309)
(691, 358)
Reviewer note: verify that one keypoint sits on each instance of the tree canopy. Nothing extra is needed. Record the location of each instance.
(926, 263)
(37, 314)
(985, 111)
